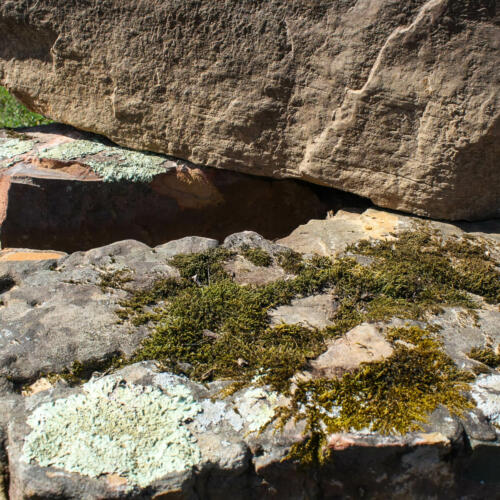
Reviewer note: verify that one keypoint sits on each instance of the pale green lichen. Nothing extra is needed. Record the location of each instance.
(258, 407)
(11, 148)
(114, 164)
(131, 166)
(72, 150)
(113, 427)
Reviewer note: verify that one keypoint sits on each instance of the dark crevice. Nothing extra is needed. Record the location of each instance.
(6, 283)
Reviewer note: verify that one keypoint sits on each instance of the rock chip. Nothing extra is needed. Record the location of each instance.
(315, 311)
(395, 101)
(363, 344)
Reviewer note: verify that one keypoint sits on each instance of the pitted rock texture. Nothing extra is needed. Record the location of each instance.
(66, 190)
(395, 101)
(225, 450)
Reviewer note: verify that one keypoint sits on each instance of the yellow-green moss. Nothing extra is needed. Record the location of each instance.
(256, 256)
(114, 279)
(390, 396)
(290, 261)
(486, 356)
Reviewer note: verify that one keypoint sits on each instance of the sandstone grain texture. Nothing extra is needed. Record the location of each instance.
(395, 101)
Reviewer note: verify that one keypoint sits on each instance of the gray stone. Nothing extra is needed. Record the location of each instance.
(477, 426)
(58, 312)
(189, 244)
(461, 331)
(253, 240)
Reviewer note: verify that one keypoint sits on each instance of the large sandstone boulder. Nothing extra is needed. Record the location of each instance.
(395, 101)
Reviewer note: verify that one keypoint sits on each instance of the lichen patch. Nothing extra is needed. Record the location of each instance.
(14, 147)
(114, 427)
(113, 164)
(72, 150)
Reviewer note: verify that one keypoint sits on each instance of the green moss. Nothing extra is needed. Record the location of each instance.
(256, 256)
(203, 268)
(390, 396)
(114, 279)
(486, 356)
(13, 114)
(290, 261)
(214, 328)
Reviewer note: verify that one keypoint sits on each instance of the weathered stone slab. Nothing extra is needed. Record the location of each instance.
(141, 432)
(65, 190)
(56, 312)
(395, 101)
(331, 236)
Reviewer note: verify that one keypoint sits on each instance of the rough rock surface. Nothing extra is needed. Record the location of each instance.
(333, 235)
(395, 101)
(66, 442)
(219, 450)
(56, 312)
(62, 189)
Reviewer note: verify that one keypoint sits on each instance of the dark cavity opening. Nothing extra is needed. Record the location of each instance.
(6, 283)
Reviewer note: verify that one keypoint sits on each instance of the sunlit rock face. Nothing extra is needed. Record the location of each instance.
(394, 101)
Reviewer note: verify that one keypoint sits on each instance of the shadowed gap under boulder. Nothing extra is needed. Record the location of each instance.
(61, 204)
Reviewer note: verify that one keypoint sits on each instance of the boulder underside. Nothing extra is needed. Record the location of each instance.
(394, 101)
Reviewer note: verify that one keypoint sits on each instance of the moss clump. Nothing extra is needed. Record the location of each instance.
(291, 262)
(203, 268)
(421, 266)
(256, 256)
(222, 330)
(390, 396)
(114, 279)
(486, 356)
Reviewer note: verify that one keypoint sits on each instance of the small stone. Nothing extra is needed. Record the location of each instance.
(363, 344)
